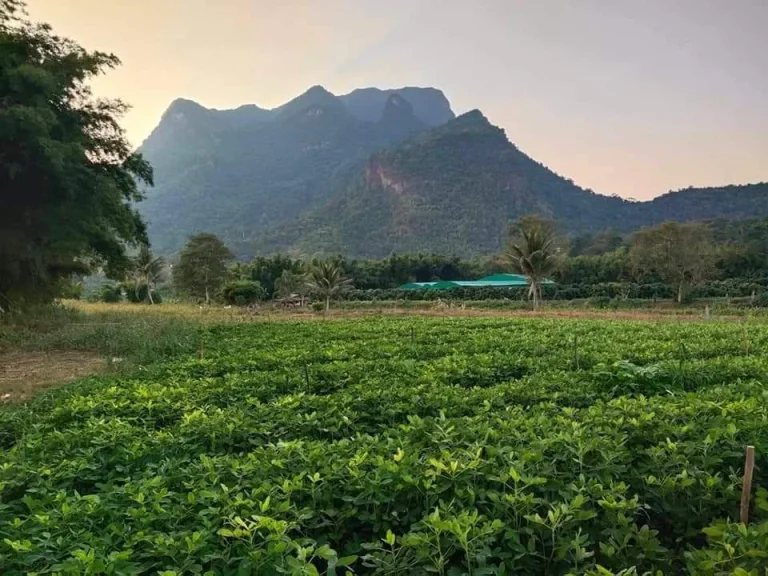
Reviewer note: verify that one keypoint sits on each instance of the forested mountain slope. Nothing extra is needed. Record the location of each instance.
(236, 172)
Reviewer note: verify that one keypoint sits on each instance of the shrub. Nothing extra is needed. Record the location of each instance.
(761, 300)
(71, 290)
(133, 294)
(110, 293)
(243, 292)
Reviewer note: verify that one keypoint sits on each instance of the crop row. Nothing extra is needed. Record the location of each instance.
(401, 446)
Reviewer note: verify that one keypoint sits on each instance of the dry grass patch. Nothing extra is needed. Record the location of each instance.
(23, 373)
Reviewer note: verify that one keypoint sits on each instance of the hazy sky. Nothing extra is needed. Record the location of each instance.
(632, 97)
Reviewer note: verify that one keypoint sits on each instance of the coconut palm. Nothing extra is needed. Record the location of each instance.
(147, 269)
(326, 279)
(533, 251)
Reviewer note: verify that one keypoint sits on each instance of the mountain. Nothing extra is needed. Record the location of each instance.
(238, 172)
(454, 189)
(735, 202)
(429, 104)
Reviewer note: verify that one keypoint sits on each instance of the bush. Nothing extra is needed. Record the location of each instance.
(141, 295)
(71, 290)
(761, 300)
(110, 293)
(243, 292)
(134, 295)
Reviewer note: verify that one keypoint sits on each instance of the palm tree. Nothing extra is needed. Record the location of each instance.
(533, 251)
(327, 280)
(147, 269)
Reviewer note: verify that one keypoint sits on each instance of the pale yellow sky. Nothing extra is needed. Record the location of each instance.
(625, 97)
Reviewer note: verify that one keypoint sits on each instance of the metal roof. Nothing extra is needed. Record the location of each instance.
(493, 281)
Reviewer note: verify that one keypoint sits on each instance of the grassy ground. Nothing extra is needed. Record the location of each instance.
(59, 344)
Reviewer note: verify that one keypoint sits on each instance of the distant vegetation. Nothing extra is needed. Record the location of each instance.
(671, 261)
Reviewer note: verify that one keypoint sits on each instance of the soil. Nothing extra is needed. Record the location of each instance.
(23, 374)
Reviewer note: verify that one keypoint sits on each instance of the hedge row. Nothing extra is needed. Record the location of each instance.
(713, 289)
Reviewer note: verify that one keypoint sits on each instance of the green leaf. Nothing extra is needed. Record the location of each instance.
(325, 552)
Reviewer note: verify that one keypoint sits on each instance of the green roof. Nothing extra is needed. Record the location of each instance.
(477, 284)
(505, 278)
(493, 281)
(417, 285)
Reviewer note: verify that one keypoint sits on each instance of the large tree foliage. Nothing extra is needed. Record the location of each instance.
(202, 267)
(534, 251)
(679, 254)
(290, 283)
(68, 176)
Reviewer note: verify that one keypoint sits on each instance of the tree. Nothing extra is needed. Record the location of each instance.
(291, 283)
(678, 254)
(267, 271)
(534, 252)
(147, 269)
(68, 176)
(202, 267)
(242, 292)
(327, 280)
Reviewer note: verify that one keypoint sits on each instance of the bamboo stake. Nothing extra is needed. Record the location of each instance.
(575, 352)
(746, 489)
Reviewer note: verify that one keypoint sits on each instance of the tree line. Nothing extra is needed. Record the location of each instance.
(669, 260)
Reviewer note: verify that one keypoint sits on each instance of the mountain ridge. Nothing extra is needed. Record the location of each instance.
(455, 188)
(234, 172)
(368, 173)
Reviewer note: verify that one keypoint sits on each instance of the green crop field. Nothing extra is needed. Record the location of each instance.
(401, 446)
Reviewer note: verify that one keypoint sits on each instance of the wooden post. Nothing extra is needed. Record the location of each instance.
(706, 312)
(575, 352)
(413, 335)
(202, 350)
(306, 374)
(745, 338)
(746, 488)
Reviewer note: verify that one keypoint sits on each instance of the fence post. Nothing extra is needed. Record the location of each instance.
(576, 351)
(746, 488)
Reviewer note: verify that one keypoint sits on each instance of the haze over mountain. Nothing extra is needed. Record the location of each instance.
(372, 172)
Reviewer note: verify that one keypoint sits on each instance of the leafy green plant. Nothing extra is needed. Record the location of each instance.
(398, 446)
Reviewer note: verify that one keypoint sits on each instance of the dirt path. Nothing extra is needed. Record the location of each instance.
(23, 374)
